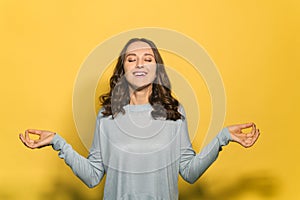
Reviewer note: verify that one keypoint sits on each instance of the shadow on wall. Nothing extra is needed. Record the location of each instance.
(63, 190)
(260, 184)
(5, 195)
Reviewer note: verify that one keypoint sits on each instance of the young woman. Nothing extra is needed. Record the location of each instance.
(141, 138)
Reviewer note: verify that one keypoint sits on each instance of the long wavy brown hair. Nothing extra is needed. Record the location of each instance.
(163, 103)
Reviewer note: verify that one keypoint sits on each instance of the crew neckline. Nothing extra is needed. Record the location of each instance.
(138, 107)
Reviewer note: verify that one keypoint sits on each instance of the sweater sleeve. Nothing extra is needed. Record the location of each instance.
(90, 170)
(193, 165)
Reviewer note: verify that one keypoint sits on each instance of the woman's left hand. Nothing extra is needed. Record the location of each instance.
(244, 139)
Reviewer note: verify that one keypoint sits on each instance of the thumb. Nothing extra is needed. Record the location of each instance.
(246, 125)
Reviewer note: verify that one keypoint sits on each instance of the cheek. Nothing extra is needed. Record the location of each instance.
(128, 67)
(153, 69)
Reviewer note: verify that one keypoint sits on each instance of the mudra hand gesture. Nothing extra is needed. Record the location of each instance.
(45, 138)
(244, 139)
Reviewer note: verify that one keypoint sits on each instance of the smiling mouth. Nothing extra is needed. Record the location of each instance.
(139, 73)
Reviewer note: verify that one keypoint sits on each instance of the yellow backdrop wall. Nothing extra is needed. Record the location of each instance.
(255, 45)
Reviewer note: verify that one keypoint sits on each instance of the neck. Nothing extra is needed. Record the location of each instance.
(139, 97)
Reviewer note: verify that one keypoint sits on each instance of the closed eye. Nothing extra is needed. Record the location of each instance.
(131, 58)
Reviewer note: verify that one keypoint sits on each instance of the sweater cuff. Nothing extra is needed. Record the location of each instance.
(57, 142)
(224, 137)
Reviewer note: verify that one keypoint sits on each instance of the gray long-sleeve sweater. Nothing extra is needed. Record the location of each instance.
(140, 156)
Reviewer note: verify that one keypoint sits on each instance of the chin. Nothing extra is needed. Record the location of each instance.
(140, 87)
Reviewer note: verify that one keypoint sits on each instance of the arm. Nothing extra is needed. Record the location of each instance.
(193, 165)
(90, 170)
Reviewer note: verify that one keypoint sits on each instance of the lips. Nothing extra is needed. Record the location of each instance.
(139, 73)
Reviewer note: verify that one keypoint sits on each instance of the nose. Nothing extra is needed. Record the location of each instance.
(140, 63)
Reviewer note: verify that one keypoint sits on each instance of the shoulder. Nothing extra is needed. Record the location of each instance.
(100, 114)
(181, 110)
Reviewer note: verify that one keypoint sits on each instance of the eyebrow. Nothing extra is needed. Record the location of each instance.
(133, 54)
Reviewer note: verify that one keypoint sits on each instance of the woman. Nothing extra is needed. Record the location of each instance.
(141, 139)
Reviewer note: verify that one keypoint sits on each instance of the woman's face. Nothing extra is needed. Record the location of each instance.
(139, 65)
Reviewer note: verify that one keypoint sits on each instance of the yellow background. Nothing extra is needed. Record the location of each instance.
(255, 45)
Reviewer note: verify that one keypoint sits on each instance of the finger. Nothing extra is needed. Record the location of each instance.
(34, 131)
(27, 138)
(255, 134)
(248, 142)
(22, 138)
(255, 137)
(253, 130)
(26, 142)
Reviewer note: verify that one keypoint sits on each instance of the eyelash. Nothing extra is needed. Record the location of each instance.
(133, 60)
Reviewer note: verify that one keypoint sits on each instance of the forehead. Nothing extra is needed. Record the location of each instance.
(139, 46)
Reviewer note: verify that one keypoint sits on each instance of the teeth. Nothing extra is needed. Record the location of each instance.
(139, 73)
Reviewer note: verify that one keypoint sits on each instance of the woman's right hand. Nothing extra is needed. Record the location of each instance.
(45, 138)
